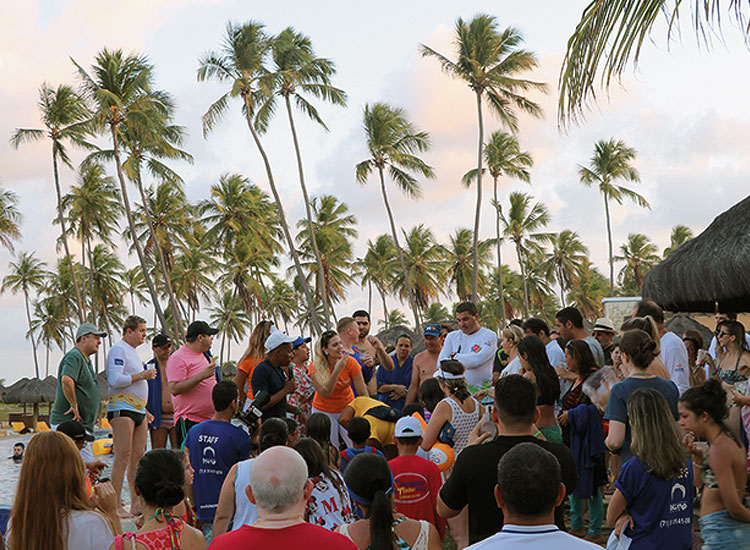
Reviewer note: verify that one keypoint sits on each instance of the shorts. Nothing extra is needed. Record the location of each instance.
(720, 531)
(136, 417)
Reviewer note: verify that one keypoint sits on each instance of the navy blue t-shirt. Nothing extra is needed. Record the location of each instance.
(618, 400)
(268, 378)
(662, 509)
(214, 446)
(401, 374)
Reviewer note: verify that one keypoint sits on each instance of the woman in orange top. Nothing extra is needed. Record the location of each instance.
(254, 354)
(332, 373)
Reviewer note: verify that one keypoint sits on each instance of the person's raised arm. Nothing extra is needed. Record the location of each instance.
(260, 383)
(326, 388)
(359, 384)
(385, 359)
(225, 507)
(411, 394)
(184, 386)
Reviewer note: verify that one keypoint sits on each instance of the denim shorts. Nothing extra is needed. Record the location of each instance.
(720, 532)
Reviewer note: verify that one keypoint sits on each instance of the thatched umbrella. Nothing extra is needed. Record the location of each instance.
(711, 270)
(681, 323)
(31, 391)
(391, 335)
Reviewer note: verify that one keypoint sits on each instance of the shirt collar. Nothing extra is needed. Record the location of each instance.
(523, 529)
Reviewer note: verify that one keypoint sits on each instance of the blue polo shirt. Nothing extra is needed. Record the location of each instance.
(401, 375)
(268, 378)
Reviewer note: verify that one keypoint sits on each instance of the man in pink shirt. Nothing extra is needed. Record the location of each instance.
(192, 377)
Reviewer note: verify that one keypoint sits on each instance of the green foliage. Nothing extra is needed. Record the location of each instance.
(680, 235)
(639, 255)
(10, 219)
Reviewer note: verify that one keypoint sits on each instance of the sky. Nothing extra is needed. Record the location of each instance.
(683, 109)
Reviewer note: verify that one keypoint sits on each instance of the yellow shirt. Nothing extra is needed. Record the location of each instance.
(381, 430)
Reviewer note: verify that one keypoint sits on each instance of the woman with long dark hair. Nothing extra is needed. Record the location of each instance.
(536, 367)
(370, 485)
(653, 499)
(52, 507)
(158, 485)
(580, 361)
(724, 519)
(329, 505)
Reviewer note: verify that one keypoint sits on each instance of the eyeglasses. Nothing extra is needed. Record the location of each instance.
(720, 334)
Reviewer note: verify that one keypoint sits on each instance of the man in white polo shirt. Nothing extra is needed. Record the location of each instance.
(528, 489)
(472, 345)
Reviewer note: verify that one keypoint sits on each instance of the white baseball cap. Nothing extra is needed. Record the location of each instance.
(277, 338)
(408, 426)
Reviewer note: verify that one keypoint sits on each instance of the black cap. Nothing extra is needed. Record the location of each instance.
(160, 340)
(75, 431)
(200, 327)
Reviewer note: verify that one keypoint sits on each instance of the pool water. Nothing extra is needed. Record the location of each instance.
(10, 470)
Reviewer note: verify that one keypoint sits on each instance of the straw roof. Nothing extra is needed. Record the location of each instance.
(30, 391)
(391, 335)
(681, 322)
(713, 267)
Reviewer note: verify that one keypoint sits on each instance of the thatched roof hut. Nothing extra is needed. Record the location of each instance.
(712, 268)
(681, 323)
(30, 391)
(391, 335)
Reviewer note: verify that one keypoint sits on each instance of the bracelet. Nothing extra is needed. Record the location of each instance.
(73, 405)
(538, 433)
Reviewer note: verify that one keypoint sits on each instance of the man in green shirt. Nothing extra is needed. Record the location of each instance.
(78, 397)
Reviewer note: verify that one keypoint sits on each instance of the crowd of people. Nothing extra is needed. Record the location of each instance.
(509, 443)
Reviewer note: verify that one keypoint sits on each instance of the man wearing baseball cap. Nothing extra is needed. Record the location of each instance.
(416, 481)
(159, 398)
(604, 332)
(78, 396)
(192, 377)
(272, 375)
(425, 362)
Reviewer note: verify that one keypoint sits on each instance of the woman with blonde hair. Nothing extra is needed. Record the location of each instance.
(648, 325)
(509, 339)
(653, 499)
(254, 354)
(333, 372)
(52, 507)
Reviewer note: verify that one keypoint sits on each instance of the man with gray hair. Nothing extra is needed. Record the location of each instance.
(280, 489)
(529, 487)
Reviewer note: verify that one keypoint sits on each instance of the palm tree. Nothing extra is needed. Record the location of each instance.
(612, 160)
(522, 226)
(393, 142)
(333, 227)
(566, 259)
(459, 256)
(513, 298)
(437, 314)
(49, 325)
(25, 275)
(135, 286)
(612, 32)
(504, 157)
(10, 219)
(297, 71)
(241, 62)
(109, 288)
(639, 255)
(379, 266)
(122, 91)
(93, 209)
(394, 319)
(680, 235)
(587, 292)
(66, 118)
(231, 320)
(282, 302)
(425, 267)
(489, 61)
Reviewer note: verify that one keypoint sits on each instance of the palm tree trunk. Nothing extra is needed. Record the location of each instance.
(562, 286)
(385, 307)
(83, 272)
(315, 323)
(369, 296)
(313, 238)
(519, 254)
(31, 334)
(499, 258)
(81, 310)
(475, 273)
(176, 317)
(91, 278)
(134, 235)
(609, 238)
(410, 295)
(229, 317)
(46, 361)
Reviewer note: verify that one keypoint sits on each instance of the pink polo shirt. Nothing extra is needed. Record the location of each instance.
(195, 405)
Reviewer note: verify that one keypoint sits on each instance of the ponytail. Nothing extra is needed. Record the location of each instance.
(370, 482)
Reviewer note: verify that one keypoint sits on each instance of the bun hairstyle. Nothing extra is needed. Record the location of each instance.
(370, 483)
(710, 398)
(514, 333)
(273, 432)
(456, 386)
(640, 347)
(647, 325)
(160, 476)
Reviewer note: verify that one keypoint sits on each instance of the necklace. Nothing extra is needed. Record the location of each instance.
(641, 375)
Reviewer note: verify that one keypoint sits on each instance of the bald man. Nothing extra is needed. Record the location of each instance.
(280, 489)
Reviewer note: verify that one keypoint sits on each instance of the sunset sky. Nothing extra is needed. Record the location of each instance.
(683, 109)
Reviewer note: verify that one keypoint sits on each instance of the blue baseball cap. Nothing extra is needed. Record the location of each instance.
(299, 341)
(432, 330)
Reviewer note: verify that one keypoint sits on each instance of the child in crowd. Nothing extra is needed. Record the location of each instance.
(358, 431)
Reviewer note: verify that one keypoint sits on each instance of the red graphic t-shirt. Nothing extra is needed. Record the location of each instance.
(416, 486)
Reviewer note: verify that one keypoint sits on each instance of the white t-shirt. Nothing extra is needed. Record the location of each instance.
(122, 363)
(514, 367)
(475, 351)
(555, 354)
(532, 536)
(86, 530)
(674, 355)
